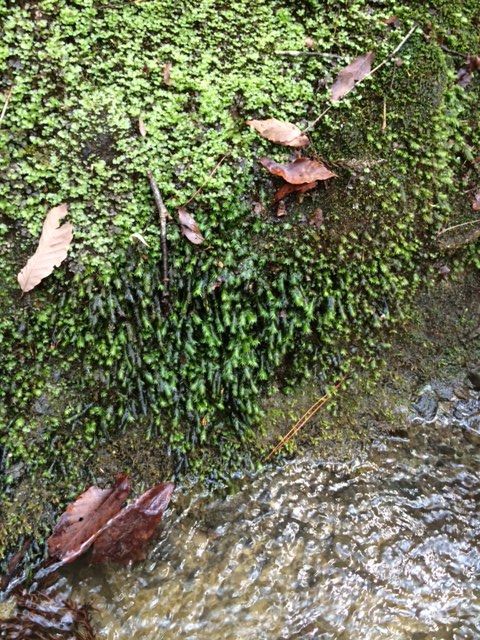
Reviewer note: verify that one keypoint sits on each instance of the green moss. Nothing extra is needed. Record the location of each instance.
(90, 357)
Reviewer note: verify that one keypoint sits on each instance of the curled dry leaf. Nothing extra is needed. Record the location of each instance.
(51, 251)
(316, 220)
(142, 128)
(167, 70)
(125, 536)
(299, 171)
(281, 209)
(78, 527)
(351, 75)
(284, 133)
(287, 189)
(189, 227)
(139, 237)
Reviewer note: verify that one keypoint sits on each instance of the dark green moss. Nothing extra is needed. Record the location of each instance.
(90, 358)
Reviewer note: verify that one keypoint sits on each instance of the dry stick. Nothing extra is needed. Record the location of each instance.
(5, 105)
(457, 226)
(313, 124)
(163, 213)
(333, 56)
(209, 177)
(314, 409)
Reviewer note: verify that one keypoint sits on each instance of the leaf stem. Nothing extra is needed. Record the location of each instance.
(457, 226)
(163, 213)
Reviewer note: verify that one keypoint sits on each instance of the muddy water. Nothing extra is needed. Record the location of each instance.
(386, 546)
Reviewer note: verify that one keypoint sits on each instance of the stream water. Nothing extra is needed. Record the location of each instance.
(385, 546)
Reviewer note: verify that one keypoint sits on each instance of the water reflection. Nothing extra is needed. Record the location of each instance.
(383, 547)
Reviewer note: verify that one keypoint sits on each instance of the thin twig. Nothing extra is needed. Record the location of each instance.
(457, 226)
(453, 52)
(163, 213)
(301, 422)
(6, 103)
(333, 56)
(313, 124)
(384, 120)
(207, 180)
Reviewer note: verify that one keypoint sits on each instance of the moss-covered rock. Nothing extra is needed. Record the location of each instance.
(91, 356)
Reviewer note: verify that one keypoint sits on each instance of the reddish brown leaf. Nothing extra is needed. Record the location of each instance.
(125, 536)
(465, 74)
(476, 202)
(77, 528)
(287, 189)
(189, 227)
(51, 251)
(317, 219)
(167, 69)
(350, 75)
(285, 133)
(281, 209)
(299, 171)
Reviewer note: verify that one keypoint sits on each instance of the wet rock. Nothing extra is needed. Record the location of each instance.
(474, 377)
(444, 391)
(426, 405)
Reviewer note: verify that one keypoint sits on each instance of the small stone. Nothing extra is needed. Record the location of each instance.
(474, 378)
(426, 405)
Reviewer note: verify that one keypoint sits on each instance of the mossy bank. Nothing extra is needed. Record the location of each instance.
(90, 359)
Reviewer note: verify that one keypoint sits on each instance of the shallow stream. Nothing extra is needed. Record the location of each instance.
(385, 546)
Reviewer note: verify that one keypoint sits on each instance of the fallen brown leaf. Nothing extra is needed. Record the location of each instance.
(284, 133)
(189, 227)
(476, 202)
(125, 536)
(141, 127)
(351, 75)
(287, 189)
(77, 528)
(300, 171)
(167, 69)
(316, 219)
(51, 251)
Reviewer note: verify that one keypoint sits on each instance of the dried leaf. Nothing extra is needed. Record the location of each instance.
(77, 528)
(465, 74)
(350, 75)
(392, 21)
(189, 227)
(142, 128)
(316, 219)
(281, 210)
(287, 189)
(285, 133)
(310, 43)
(139, 237)
(476, 202)
(51, 251)
(125, 536)
(299, 171)
(167, 69)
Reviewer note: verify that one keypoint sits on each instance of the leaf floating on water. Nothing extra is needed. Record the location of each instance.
(189, 227)
(351, 75)
(142, 128)
(51, 251)
(300, 171)
(287, 189)
(125, 536)
(284, 133)
(78, 527)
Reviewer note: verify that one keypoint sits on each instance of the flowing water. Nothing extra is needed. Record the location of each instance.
(385, 546)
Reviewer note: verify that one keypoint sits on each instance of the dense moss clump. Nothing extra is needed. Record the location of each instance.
(91, 356)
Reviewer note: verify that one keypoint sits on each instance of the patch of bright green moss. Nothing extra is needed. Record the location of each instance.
(91, 354)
